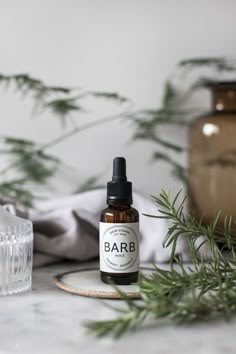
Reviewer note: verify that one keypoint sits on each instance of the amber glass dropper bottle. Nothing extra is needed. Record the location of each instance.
(119, 230)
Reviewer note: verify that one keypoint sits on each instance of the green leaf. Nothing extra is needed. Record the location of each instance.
(219, 63)
(110, 96)
(90, 184)
(169, 95)
(63, 107)
(181, 294)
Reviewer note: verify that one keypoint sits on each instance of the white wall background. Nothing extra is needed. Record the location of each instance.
(126, 46)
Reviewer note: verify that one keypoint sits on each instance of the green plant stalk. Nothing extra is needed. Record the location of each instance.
(29, 160)
(64, 137)
(173, 110)
(204, 290)
(64, 101)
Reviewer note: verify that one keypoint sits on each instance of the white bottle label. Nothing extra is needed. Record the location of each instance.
(119, 247)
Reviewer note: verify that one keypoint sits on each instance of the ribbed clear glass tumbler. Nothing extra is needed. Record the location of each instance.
(16, 250)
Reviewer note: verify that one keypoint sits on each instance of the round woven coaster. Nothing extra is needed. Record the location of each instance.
(86, 282)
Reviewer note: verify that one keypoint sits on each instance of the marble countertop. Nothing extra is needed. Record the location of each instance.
(50, 321)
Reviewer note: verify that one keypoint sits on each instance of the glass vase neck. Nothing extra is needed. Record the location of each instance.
(224, 97)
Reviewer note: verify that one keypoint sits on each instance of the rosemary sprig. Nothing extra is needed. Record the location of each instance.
(205, 290)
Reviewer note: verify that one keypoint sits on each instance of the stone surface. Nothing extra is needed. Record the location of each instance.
(50, 321)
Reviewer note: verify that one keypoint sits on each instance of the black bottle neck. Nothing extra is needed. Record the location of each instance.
(119, 189)
(119, 206)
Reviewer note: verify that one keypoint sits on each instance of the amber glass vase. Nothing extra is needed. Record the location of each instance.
(212, 156)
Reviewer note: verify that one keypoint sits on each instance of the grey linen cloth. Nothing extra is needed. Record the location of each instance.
(67, 228)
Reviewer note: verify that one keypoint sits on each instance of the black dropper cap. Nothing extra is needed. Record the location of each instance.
(119, 190)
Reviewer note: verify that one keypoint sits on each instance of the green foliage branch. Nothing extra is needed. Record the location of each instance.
(189, 77)
(31, 163)
(203, 290)
(31, 166)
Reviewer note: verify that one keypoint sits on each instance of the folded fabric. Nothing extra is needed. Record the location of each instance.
(67, 228)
